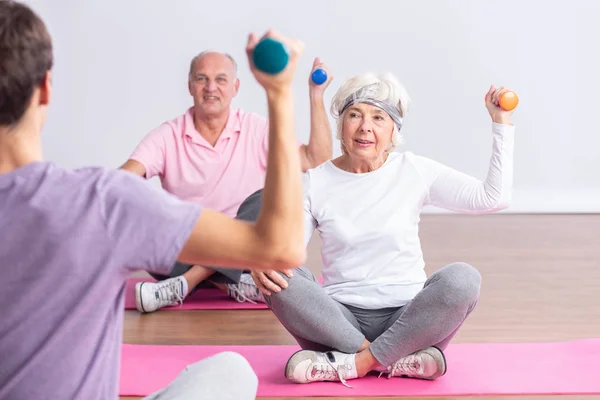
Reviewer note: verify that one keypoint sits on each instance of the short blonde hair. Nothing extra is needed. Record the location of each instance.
(385, 88)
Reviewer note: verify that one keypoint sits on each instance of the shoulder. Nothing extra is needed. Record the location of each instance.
(410, 159)
(86, 184)
(248, 116)
(88, 174)
(319, 177)
(119, 181)
(321, 171)
(173, 127)
(427, 169)
(251, 121)
(49, 177)
(102, 179)
(126, 195)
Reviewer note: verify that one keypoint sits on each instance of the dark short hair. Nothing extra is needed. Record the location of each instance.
(25, 57)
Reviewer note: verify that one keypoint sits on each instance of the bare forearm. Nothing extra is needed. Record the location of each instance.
(319, 148)
(135, 167)
(282, 213)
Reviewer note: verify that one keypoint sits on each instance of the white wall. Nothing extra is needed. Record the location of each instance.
(121, 70)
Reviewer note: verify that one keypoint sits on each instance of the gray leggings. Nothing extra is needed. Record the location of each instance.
(224, 376)
(432, 318)
(248, 211)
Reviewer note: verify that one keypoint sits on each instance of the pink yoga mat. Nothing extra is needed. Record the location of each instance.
(473, 369)
(203, 299)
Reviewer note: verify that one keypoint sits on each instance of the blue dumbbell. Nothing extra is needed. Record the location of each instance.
(319, 76)
(270, 56)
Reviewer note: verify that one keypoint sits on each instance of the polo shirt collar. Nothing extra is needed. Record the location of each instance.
(232, 126)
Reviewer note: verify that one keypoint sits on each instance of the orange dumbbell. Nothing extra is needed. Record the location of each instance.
(509, 101)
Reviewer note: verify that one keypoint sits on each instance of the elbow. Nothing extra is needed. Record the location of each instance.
(319, 155)
(504, 204)
(499, 207)
(501, 204)
(290, 258)
(280, 256)
(324, 155)
(490, 199)
(504, 201)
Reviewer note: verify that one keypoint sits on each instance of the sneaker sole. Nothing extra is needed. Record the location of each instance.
(138, 297)
(287, 364)
(443, 358)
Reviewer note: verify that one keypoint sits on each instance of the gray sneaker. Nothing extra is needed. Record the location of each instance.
(429, 364)
(245, 290)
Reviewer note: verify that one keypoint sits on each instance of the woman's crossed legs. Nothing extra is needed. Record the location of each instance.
(342, 342)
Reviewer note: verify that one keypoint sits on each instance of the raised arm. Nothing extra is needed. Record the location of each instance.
(319, 147)
(275, 241)
(270, 281)
(457, 191)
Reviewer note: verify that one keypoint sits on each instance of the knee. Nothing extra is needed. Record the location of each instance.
(301, 276)
(233, 360)
(462, 282)
(238, 367)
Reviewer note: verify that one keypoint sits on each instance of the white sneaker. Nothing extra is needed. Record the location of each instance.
(151, 296)
(307, 366)
(245, 290)
(424, 364)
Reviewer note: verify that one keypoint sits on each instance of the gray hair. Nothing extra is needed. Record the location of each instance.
(383, 91)
(197, 57)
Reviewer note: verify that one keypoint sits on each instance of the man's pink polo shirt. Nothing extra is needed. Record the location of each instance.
(219, 177)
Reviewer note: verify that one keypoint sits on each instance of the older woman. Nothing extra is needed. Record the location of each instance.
(377, 310)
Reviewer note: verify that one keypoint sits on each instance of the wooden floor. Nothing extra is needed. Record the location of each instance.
(541, 282)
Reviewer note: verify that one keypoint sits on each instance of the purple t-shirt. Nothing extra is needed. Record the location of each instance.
(69, 240)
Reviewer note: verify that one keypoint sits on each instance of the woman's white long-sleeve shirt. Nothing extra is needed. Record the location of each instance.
(368, 222)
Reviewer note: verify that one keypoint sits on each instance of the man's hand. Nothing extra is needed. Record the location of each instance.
(314, 89)
(271, 281)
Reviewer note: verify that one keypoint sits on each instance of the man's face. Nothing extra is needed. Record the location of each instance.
(213, 84)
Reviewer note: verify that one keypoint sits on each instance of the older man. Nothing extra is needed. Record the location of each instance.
(216, 155)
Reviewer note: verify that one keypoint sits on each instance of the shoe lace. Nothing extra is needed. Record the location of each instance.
(322, 371)
(245, 290)
(410, 365)
(169, 292)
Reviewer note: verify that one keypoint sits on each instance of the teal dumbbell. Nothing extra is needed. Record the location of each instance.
(270, 56)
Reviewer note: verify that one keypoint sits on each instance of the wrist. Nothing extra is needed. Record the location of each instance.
(315, 96)
(502, 120)
(275, 94)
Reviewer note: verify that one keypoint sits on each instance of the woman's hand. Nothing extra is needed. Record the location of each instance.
(492, 103)
(270, 281)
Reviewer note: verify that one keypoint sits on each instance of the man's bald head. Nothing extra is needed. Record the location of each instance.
(213, 55)
(213, 83)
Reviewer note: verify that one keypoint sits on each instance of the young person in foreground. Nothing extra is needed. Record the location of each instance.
(72, 237)
(377, 309)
